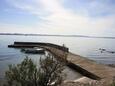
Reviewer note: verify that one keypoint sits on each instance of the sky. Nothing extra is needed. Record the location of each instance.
(68, 17)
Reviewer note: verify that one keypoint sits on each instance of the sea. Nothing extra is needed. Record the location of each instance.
(90, 48)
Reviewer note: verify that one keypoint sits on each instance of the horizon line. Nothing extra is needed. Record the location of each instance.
(60, 35)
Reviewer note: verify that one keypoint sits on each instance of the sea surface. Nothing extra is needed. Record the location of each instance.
(87, 47)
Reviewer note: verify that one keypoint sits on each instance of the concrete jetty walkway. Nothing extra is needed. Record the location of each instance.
(81, 64)
(88, 67)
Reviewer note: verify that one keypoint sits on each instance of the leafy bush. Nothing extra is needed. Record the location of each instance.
(113, 83)
(28, 74)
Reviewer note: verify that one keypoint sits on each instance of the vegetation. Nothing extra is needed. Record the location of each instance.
(113, 83)
(28, 74)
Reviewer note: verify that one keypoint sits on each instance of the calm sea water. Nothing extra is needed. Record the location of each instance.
(87, 47)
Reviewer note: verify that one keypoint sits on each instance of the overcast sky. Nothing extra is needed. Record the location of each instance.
(78, 17)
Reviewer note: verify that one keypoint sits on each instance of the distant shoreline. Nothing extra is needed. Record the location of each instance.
(84, 36)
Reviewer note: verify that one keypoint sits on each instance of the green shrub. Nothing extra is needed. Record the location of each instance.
(113, 83)
(28, 74)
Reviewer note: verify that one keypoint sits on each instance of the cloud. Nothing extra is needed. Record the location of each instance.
(56, 19)
(91, 7)
(13, 28)
(30, 6)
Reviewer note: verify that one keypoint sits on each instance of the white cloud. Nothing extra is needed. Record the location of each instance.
(59, 20)
(14, 28)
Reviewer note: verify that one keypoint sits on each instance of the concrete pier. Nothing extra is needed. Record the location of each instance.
(81, 64)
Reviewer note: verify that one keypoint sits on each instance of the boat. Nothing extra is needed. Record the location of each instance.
(33, 50)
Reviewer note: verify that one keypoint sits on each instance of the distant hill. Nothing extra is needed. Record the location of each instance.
(56, 35)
